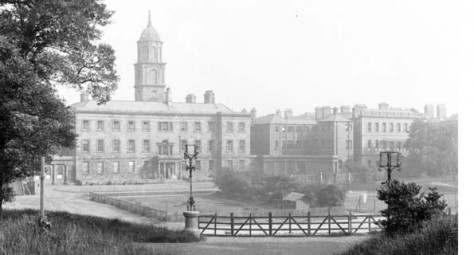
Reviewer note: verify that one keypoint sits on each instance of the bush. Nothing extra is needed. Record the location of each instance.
(437, 236)
(406, 207)
(331, 196)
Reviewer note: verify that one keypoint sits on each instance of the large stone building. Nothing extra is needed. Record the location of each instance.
(381, 129)
(143, 140)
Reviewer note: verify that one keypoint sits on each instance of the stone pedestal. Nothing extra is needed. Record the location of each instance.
(191, 222)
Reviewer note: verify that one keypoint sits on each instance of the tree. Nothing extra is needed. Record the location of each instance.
(44, 44)
(433, 149)
(234, 185)
(331, 196)
(407, 207)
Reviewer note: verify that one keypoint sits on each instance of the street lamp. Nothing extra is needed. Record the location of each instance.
(190, 155)
(389, 160)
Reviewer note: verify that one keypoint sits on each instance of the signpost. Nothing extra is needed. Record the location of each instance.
(191, 215)
(389, 160)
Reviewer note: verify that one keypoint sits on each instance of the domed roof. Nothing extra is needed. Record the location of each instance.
(149, 34)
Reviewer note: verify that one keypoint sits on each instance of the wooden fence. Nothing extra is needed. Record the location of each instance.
(309, 225)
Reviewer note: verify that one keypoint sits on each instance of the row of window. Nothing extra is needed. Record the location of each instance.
(383, 144)
(164, 147)
(390, 126)
(163, 126)
(290, 129)
(100, 166)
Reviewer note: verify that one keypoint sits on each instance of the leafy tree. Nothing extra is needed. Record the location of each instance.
(331, 196)
(407, 207)
(44, 44)
(234, 185)
(433, 148)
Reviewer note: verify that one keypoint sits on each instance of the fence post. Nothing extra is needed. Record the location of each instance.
(215, 223)
(270, 223)
(329, 221)
(350, 222)
(309, 224)
(289, 221)
(231, 223)
(250, 221)
(370, 229)
(449, 210)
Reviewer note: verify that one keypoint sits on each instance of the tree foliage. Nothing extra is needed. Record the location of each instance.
(44, 44)
(433, 149)
(407, 207)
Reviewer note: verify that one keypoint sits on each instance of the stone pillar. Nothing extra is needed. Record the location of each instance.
(191, 222)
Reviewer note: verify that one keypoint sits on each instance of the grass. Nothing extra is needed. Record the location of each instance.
(436, 237)
(78, 234)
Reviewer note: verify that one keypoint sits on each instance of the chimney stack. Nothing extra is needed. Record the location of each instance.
(191, 99)
(318, 113)
(253, 114)
(168, 96)
(335, 111)
(209, 97)
(278, 112)
(383, 106)
(84, 97)
(288, 113)
(326, 111)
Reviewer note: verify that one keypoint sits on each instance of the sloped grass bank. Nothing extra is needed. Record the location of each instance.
(435, 237)
(78, 234)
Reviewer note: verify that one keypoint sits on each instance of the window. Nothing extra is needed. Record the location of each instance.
(391, 127)
(198, 164)
(116, 167)
(85, 167)
(100, 167)
(369, 127)
(242, 164)
(276, 145)
(131, 126)
(241, 127)
(230, 146)
(211, 164)
(405, 127)
(183, 126)
(399, 145)
(210, 146)
(392, 145)
(377, 127)
(116, 146)
(85, 125)
(146, 145)
(166, 148)
(116, 125)
(197, 126)
(165, 126)
(242, 146)
(369, 144)
(384, 127)
(85, 145)
(369, 163)
(183, 144)
(277, 129)
(131, 146)
(211, 126)
(230, 127)
(198, 145)
(290, 129)
(146, 126)
(230, 164)
(298, 129)
(131, 166)
(100, 145)
(100, 125)
(348, 144)
(399, 127)
(376, 144)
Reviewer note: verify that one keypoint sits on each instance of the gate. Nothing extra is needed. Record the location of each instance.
(309, 225)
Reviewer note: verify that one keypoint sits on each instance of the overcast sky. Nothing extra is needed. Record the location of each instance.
(279, 54)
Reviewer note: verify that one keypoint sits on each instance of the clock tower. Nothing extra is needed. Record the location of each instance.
(149, 69)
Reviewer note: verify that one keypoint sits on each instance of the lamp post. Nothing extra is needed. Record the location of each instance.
(389, 160)
(190, 155)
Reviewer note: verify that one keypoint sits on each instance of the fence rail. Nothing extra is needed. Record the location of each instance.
(134, 208)
(308, 225)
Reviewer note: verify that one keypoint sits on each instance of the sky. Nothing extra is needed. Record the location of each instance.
(298, 54)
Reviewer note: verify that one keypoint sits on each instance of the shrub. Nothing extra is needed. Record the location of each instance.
(331, 196)
(406, 207)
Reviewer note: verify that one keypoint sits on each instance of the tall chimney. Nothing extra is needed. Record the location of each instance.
(383, 106)
(191, 99)
(288, 113)
(84, 97)
(326, 111)
(335, 111)
(209, 97)
(318, 113)
(168, 96)
(253, 114)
